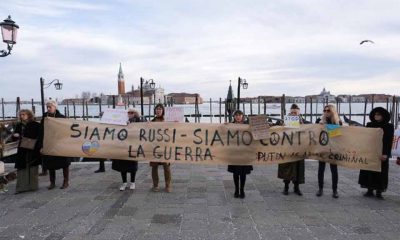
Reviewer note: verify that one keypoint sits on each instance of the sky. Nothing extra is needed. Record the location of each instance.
(292, 47)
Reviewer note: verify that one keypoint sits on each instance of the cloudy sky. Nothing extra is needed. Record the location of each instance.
(295, 47)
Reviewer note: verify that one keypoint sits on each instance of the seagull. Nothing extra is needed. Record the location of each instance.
(364, 41)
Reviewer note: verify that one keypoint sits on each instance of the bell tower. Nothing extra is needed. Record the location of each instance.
(121, 81)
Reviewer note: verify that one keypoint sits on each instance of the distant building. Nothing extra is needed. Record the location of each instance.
(343, 98)
(185, 98)
(296, 99)
(357, 99)
(326, 96)
(269, 99)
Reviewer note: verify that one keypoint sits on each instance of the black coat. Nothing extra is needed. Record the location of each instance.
(53, 162)
(126, 165)
(26, 156)
(240, 169)
(379, 180)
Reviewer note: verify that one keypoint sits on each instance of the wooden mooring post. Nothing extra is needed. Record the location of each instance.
(74, 108)
(220, 110)
(2, 108)
(365, 110)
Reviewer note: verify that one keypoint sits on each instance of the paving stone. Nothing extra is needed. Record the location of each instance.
(201, 206)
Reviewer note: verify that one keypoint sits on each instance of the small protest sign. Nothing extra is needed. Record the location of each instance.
(115, 117)
(174, 114)
(292, 121)
(259, 127)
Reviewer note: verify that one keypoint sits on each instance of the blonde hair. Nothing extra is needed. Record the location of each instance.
(334, 115)
(29, 113)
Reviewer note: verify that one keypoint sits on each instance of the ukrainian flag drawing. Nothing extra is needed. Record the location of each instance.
(333, 130)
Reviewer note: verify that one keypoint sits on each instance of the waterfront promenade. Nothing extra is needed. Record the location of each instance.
(201, 206)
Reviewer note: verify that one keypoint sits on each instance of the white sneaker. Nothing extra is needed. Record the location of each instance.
(133, 186)
(123, 186)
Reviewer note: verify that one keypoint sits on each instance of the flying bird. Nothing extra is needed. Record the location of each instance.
(365, 41)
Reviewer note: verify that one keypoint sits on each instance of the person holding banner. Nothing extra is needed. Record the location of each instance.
(159, 112)
(53, 163)
(330, 116)
(28, 155)
(293, 171)
(239, 171)
(378, 181)
(125, 166)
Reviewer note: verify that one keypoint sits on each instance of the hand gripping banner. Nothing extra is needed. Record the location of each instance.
(203, 143)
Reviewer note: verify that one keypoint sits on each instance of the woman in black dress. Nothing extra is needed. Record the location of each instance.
(239, 171)
(53, 163)
(125, 166)
(378, 181)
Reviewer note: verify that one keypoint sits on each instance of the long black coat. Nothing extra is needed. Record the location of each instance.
(26, 156)
(379, 180)
(126, 165)
(53, 162)
(240, 169)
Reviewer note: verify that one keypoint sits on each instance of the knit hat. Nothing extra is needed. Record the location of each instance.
(52, 102)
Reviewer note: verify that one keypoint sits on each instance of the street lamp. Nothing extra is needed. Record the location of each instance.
(245, 85)
(44, 85)
(152, 86)
(9, 32)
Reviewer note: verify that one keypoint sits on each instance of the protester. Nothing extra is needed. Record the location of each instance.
(378, 181)
(330, 116)
(239, 171)
(125, 166)
(53, 163)
(28, 156)
(293, 171)
(159, 113)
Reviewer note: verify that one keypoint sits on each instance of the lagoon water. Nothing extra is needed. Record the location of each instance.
(204, 109)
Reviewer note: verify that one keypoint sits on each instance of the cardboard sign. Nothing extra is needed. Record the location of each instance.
(207, 143)
(259, 126)
(174, 114)
(292, 121)
(396, 143)
(115, 117)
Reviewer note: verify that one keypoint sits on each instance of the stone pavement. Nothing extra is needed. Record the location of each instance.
(201, 206)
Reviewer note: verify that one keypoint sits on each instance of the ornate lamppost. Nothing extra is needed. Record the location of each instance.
(9, 32)
(44, 85)
(152, 86)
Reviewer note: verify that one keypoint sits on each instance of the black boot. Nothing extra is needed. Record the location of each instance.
(66, 178)
(236, 181)
(286, 189)
(101, 167)
(335, 194)
(320, 192)
(52, 179)
(369, 193)
(297, 189)
(379, 195)
(242, 183)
